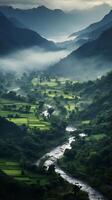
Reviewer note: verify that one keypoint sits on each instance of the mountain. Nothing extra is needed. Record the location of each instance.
(72, 43)
(51, 23)
(17, 23)
(101, 46)
(96, 29)
(16, 142)
(12, 37)
(90, 33)
(45, 21)
(101, 95)
(90, 60)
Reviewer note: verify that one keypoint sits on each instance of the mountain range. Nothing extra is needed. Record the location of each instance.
(94, 30)
(88, 61)
(15, 38)
(91, 59)
(50, 23)
(89, 33)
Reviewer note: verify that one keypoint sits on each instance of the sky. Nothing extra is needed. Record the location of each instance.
(62, 4)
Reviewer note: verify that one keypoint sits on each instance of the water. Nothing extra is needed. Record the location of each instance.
(93, 194)
(70, 129)
(57, 153)
(14, 89)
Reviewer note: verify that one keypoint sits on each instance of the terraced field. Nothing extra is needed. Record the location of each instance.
(14, 170)
(28, 119)
(31, 122)
(50, 92)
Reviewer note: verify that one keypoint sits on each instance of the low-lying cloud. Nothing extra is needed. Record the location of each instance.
(31, 59)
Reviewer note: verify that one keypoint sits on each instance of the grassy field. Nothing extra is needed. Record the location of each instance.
(46, 92)
(10, 168)
(86, 122)
(57, 93)
(14, 170)
(10, 102)
(51, 83)
(28, 119)
(31, 122)
(70, 107)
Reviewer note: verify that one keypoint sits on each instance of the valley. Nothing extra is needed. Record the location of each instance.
(43, 106)
(46, 94)
(56, 101)
(25, 108)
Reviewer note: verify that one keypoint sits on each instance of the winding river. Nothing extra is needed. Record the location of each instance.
(57, 153)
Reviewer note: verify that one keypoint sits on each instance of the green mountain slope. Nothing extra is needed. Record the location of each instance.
(90, 157)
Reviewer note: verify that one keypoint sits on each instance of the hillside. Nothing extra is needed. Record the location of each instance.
(14, 38)
(15, 141)
(21, 145)
(89, 33)
(93, 57)
(45, 21)
(90, 157)
(100, 91)
(95, 29)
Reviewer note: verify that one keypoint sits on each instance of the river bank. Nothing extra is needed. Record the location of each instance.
(57, 153)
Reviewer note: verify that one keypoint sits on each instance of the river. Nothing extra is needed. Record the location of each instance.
(57, 153)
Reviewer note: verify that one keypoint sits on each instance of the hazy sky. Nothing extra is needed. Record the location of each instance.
(63, 4)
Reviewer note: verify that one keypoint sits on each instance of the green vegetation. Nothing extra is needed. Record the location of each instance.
(52, 83)
(22, 144)
(26, 133)
(20, 175)
(96, 137)
(90, 157)
(42, 125)
(42, 188)
(18, 113)
(35, 92)
(85, 122)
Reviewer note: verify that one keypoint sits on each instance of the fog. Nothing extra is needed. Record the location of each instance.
(81, 69)
(39, 59)
(62, 38)
(30, 59)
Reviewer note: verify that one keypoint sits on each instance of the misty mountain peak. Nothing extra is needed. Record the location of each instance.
(59, 11)
(43, 8)
(108, 16)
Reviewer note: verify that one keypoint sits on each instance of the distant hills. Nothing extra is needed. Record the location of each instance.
(89, 33)
(50, 23)
(14, 38)
(95, 30)
(90, 60)
(102, 46)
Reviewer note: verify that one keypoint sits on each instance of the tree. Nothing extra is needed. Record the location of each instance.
(40, 105)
